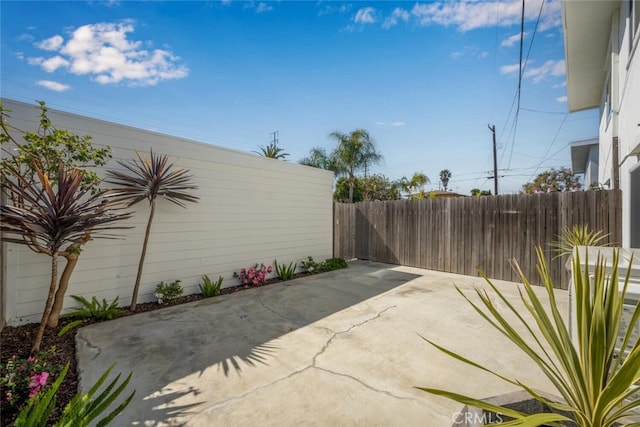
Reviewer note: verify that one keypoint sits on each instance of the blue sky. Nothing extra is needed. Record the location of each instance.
(424, 78)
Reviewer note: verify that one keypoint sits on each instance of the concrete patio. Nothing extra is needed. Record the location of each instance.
(341, 348)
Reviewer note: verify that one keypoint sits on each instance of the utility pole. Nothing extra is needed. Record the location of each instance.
(495, 160)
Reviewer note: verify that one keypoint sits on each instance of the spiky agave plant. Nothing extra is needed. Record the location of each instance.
(56, 220)
(578, 235)
(147, 178)
(598, 382)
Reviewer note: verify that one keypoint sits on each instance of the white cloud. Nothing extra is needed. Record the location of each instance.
(55, 86)
(509, 69)
(329, 9)
(263, 7)
(104, 52)
(398, 14)
(52, 43)
(53, 63)
(469, 51)
(393, 124)
(551, 68)
(366, 15)
(562, 98)
(468, 15)
(511, 40)
(25, 37)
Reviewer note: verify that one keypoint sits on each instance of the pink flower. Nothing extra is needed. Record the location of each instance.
(269, 269)
(22, 368)
(37, 381)
(32, 359)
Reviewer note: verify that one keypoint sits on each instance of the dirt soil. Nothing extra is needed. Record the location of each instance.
(17, 340)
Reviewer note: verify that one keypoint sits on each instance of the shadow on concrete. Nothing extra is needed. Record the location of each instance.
(168, 349)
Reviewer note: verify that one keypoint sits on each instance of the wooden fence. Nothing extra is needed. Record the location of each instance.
(469, 234)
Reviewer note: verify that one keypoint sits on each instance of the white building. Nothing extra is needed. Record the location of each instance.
(603, 71)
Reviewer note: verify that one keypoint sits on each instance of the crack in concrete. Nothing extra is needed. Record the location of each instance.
(255, 389)
(313, 365)
(359, 381)
(276, 313)
(95, 350)
(335, 334)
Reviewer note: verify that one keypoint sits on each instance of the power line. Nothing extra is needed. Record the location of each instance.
(522, 71)
(544, 158)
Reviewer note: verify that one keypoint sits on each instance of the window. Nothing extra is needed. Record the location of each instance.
(607, 107)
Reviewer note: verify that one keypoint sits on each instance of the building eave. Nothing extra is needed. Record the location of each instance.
(580, 153)
(586, 26)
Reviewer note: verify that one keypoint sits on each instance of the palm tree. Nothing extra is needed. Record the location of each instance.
(413, 185)
(319, 158)
(272, 151)
(355, 151)
(51, 216)
(150, 178)
(445, 175)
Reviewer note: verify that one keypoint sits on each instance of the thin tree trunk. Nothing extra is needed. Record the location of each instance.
(47, 307)
(134, 297)
(351, 182)
(54, 316)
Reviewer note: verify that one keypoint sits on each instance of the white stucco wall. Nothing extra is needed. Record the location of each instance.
(251, 209)
(625, 123)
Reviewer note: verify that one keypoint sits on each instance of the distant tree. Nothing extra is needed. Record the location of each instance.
(379, 187)
(445, 175)
(476, 192)
(414, 186)
(373, 187)
(150, 178)
(354, 152)
(341, 193)
(553, 179)
(272, 151)
(319, 158)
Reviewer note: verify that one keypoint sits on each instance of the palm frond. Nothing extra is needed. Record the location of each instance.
(149, 178)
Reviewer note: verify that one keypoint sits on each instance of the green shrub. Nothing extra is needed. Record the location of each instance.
(81, 411)
(283, 271)
(334, 264)
(311, 266)
(209, 288)
(168, 292)
(22, 378)
(94, 309)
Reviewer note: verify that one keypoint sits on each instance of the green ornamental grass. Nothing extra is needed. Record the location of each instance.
(599, 386)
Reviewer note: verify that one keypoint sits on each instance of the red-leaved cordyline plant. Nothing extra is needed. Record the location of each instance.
(56, 220)
(148, 178)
